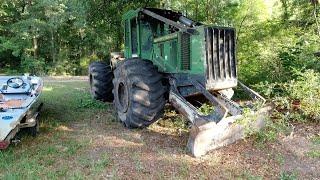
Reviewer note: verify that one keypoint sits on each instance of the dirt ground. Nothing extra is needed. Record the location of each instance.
(158, 153)
(101, 148)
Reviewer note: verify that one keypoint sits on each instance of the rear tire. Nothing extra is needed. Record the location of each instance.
(139, 93)
(100, 78)
(34, 131)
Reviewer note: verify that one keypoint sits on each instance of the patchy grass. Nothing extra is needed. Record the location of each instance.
(52, 153)
(316, 140)
(314, 153)
(288, 176)
(81, 139)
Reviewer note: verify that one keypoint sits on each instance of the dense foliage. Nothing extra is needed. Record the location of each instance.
(275, 37)
(59, 36)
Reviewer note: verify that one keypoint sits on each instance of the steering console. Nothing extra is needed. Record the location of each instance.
(15, 82)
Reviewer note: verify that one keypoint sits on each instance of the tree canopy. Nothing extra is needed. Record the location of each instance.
(274, 37)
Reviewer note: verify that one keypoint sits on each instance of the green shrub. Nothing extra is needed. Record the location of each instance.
(33, 66)
(306, 89)
(298, 99)
(8, 71)
(206, 109)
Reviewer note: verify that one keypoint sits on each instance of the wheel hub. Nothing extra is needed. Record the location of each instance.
(123, 97)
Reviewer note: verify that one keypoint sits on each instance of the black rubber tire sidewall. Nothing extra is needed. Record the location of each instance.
(142, 112)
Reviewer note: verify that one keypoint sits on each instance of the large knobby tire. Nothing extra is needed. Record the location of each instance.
(100, 78)
(138, 93)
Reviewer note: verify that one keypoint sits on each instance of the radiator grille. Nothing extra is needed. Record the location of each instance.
(185, 51)
(220, 54)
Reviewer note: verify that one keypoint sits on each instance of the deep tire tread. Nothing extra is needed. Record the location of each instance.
(101, 85)
(146, 94)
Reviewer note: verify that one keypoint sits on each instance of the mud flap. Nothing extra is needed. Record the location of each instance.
(205, 136)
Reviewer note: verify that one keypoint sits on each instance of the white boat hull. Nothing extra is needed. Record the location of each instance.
(19, 106)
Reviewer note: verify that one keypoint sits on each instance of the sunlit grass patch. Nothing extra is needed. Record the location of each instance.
(288, 176)
(38, 159)
(314, 153)
(51, 155)
(94, 166)
(316, 140)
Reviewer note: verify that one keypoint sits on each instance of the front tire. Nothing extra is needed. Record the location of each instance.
(138, 93)
(100, 78)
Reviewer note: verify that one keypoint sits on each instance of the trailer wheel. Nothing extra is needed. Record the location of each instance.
(100, 78)
(138, 93)
(34, 131)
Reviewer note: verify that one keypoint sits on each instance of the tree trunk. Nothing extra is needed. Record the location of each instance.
(53, 55)
(119, 41)
(35, 47)
(285, 6)
(214, 11)
(207, 10)
(241, 24)
(316, 18)
(197, 11)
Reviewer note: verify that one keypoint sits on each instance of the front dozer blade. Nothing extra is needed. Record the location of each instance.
(209, 132)
(205, 136)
